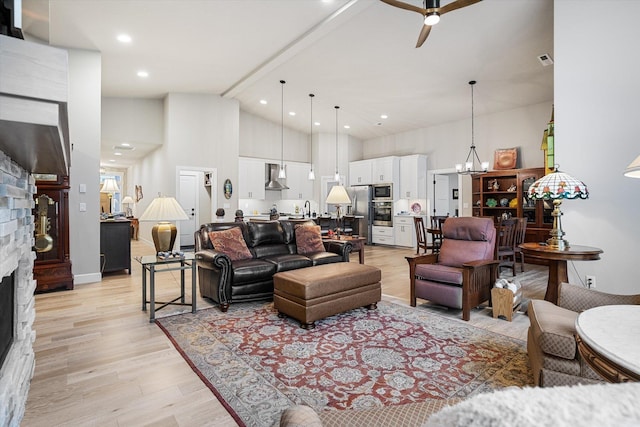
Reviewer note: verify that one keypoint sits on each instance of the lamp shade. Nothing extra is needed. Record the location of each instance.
(338, 196)
(558, 185)
(633, 170)
(109, 186)
(164, 209)
(127, 200)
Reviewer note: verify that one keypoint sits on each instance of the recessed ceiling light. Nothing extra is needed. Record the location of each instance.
(124, 38)
(263, 101)
(316, 123)
(347, 127)
(143, 74)
(126, 144)
(292, 113)
(384, 116)
(111, 160)
(117, 154)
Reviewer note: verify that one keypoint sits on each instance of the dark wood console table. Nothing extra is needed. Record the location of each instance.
(558, 262)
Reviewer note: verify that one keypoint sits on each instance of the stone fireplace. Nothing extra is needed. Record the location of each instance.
(17, 188)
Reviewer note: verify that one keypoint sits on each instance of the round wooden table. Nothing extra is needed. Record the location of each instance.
(557, 260)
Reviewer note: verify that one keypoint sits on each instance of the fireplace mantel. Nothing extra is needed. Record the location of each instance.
(34, 129)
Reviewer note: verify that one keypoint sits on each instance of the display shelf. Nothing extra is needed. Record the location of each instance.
(512, 184)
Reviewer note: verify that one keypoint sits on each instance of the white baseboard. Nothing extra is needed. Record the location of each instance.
(83, 279)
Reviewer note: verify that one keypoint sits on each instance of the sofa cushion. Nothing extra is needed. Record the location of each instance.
(264, 233)
(252, 270)
(231, 243)
(309, 239)
(439, 273)
(553, 328)
(320, 258)
(288, 262)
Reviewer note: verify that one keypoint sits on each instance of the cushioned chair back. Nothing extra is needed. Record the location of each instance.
(467, 239)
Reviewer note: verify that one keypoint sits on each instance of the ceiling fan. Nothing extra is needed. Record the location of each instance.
(431, 12)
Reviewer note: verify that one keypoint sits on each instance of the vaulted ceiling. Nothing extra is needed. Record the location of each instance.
(359, 54)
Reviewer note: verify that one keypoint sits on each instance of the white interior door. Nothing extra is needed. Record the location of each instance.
(441, 203)
(188, 199)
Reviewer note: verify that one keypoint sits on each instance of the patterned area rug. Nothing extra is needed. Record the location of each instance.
(258, 364)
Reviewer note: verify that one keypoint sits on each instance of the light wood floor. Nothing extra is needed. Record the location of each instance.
(99, 362)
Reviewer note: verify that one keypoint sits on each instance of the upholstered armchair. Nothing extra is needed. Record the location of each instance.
(462, 274)
(551, 344)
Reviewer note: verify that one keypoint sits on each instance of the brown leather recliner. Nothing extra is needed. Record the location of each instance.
(462, 274)
(551, 343)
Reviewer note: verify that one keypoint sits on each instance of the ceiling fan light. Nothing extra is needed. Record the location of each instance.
(432, 18)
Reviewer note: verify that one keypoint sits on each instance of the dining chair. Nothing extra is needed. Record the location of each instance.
(348, 224)
(436, 231)
(520, 238)
(506, 243)
(325, 225)
(421, 234)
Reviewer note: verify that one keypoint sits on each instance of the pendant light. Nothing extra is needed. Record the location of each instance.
(470, 165)
(312, 176)
(337, 175)
(283, 173)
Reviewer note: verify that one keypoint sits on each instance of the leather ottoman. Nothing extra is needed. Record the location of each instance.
(313, 293)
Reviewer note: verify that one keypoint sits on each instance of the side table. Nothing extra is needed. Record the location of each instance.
(357, 244)
(557, 260)
(150, 263)
(607, 339)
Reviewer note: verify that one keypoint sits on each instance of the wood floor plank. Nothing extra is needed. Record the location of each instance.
(99, 362)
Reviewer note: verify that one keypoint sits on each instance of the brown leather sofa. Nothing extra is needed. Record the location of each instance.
(551, 343)
(273, 248)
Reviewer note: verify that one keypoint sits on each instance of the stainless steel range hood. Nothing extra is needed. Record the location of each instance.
(271, 172)
(34, 130)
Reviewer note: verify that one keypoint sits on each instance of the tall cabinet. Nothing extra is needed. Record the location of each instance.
(499, 193)
(52, 266)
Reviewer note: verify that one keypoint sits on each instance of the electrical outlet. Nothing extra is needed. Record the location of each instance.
(590, 281)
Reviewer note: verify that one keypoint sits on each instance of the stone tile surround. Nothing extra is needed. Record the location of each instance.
(17, 188)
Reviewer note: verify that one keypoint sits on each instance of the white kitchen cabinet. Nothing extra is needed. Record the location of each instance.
(300, 188)
(382, 235)
(404, 231)
(360, 172)
(251, 178)
(386, 170)
(413, 177)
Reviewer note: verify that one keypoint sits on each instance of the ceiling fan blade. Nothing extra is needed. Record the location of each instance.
(457, 5)
(403, 5)
(426, 29)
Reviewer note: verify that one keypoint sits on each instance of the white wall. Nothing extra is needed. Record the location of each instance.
(448, 144)
(84, 133)
(597, 92)
(200, 131)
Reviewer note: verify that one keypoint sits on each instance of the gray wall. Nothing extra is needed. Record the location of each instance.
(598, 131)
(84, 133)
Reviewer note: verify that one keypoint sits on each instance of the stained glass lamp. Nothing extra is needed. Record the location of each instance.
(557, 186)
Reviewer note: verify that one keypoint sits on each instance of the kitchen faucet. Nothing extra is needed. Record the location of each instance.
(307, 206)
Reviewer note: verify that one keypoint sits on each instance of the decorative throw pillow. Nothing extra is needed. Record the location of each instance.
(231, 243)
(308, 239)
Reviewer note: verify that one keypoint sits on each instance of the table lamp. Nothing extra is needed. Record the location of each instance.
(164, 209)
(338, 196)
(128, 200)
(557, 186)
(110, 186)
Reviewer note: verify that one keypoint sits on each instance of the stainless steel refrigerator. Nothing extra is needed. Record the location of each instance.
(361, 205)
